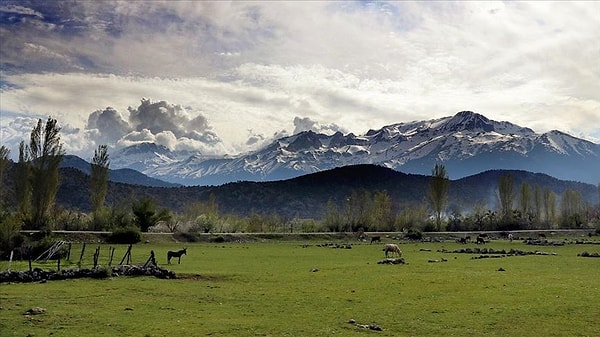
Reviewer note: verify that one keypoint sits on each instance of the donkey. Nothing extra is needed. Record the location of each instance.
(176, 254)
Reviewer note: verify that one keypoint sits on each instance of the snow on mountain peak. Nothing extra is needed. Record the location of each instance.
(466, 142)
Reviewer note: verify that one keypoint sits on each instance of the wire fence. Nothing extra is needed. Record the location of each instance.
(67, 255)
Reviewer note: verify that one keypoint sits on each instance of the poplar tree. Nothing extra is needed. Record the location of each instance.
(4, 151)
(438, 193)
(99, 179)
(45, 152)
(506, 196)
(23, 185)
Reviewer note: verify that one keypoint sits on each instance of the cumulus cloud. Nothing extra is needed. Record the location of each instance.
(157, 117)
(305, 124)
(110, 125)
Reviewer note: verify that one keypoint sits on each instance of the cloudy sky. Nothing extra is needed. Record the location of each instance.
(227, 77)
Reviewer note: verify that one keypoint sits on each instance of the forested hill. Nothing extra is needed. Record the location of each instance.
(307, 196)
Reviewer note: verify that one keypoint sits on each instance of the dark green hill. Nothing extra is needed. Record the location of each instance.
(306, 196)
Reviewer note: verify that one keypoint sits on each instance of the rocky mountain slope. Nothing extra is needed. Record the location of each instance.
(466, 143)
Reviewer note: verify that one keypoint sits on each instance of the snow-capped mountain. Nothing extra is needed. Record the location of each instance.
(467, 143)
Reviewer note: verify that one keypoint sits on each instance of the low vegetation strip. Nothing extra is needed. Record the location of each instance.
(39, 275)
(492, 251)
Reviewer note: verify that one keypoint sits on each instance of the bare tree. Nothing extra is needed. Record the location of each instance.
(438, 193)
(506, 196)
(549, 206)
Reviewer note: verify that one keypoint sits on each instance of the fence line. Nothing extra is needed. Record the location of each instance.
(99, 256)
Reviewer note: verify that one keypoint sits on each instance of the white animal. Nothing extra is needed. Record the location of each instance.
(510, 237)
(392, 249)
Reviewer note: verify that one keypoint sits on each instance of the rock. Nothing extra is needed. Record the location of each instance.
(35, 311)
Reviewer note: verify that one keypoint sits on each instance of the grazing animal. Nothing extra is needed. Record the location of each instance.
(480, 240)
(177, 254)
(541, 235)
(375, 239)
(462, 240)
(392, 249)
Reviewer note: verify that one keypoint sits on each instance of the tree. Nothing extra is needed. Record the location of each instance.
(23, 183)
(525, 200)
(438, 193)
(549, 206)
(537, 203)
(99, 179)
(146, 215)
(46, 152)
(506, 195)
(333, 219)
(383, 215)
(4, 151)
(571, 207)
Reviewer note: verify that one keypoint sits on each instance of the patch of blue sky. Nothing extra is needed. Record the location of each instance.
(398, 14)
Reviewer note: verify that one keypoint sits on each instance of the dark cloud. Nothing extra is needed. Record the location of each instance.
(160, 122)
(161, 116)
(110, 125)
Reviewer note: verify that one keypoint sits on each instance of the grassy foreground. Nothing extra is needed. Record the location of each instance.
(289, 289)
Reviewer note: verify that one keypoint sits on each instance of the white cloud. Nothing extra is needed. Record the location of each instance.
(227, 67)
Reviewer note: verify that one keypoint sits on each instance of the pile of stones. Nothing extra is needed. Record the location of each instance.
(39, 275)
(392, 261)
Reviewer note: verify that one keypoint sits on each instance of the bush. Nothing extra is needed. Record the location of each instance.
(10, 237)
(414, 234)
(125, 236)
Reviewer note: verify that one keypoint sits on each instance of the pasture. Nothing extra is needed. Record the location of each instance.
(283, 288)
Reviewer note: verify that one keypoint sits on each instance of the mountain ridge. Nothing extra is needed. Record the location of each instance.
(466, 143)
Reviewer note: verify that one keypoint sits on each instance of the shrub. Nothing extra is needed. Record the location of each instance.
(125, 236)
(414, 234)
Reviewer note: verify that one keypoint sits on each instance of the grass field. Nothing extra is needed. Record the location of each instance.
(272, 289)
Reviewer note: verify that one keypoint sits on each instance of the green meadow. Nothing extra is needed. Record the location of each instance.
(296, 288)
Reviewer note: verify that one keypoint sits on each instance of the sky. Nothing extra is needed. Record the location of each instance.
(229, 77)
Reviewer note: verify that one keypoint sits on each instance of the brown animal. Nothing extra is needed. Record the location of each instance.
(392, 249)
(376, 239)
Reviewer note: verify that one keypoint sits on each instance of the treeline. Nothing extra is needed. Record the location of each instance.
(360, 198)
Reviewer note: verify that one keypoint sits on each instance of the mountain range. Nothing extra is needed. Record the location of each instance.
(466, 143)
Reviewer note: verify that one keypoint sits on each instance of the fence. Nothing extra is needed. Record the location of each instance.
(64, 254)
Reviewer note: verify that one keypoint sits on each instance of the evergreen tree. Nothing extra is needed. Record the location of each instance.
(146, 215)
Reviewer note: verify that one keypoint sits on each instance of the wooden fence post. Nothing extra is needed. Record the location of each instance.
(10, 259)
(127, 256)
(81, 256)
(112, 252)
(96, 256)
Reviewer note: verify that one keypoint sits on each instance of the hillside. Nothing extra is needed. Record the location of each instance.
(307, 196)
